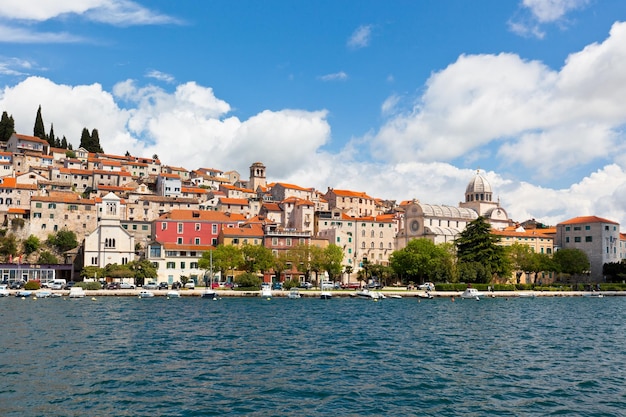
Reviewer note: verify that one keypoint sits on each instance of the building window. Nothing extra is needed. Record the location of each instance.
(567, 228)
(193, 265)
(577, 239)
(235, 241)
(197, 241)
(566, 239)
(182, 265)
(587, 227)
(197, 227)
(179, 240)
(171, 265)
(144, 227)
(274, 241)
(94, 260)
(588, 238)
(180, 227)
(289, 241)
(37, 215)
(52, 205)
(164, 226)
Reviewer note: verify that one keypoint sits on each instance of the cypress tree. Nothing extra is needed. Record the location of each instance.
(39, 130)
(64, 143)
(95, 140)
(7, 127)
(51, 139)
(85, 140)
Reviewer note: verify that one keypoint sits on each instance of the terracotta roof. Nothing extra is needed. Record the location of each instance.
(31, 138)
(166, 175)
(348, 193)
(271, 207)
(234, 201)
(588, 219)
(291, 186)
(14, 210)
(194, 190)
(251, 230)
(198, 215)
(528, 234)
(68, 198)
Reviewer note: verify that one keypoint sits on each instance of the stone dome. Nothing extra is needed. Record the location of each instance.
(478, 184)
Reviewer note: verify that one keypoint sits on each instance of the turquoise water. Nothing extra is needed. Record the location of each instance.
(121, 356)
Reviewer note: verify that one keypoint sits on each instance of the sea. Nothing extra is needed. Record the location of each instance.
(124, 356)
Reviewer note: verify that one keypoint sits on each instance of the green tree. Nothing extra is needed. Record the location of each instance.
(571, 261)
(8, 245)
(140, 270)
(64, 144)
(63, 240)
(421, 260)
(332, 257)
(95, 141)
(39, 130)
(85, 140)
(257, 258)
(92, 272)
(46, 257)
(52, 140)
(476, 244)
(118, 271)
(7, 127)
(31, 244)
(281, 264)
(225, 258)
(301, 258)
(248, 280)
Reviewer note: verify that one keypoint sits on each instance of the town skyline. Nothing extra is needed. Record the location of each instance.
(400, 101)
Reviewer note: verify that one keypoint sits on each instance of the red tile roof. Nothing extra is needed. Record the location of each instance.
(588, 219)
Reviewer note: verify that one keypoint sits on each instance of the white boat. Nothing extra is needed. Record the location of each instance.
(173, 294)
(77, 292)
(372, 295)
(266, 291)
(23, 293)
(426, 295)
(209, 293)
(326, 295)
(146, 294)
(472, 293)
(594, 295)
(294, 293)
(4, 292)
(395, 296)
(43, 294)
(526, 295)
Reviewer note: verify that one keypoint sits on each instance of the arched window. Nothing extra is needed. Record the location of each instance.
(381, 234)
(381, 245)
(372, 234)
(363, 233)
(363, 245)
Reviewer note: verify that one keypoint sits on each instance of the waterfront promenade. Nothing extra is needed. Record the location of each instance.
(336, 293)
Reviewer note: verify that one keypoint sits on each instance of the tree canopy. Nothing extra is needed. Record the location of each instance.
(7, 127)
(478, 249)
(572, 261)
(421, 260)
(90, 141)
(39, 130)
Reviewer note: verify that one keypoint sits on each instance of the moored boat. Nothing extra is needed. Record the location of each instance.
(472, 293)
(294, 293)
(372, 295)
(173, 294)
(77, 292)
(326, 295)
(4, 292)
(146, 294)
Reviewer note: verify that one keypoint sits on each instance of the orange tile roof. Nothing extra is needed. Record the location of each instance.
(292, 186)
(194, 190)
(348, 193)
(31, 138)
(14, 210)
(234, 201)
(201, 215)
(588, 219)
(67, 198)
(251, 230)
(271, 207)
(528, 234)
(166, 175)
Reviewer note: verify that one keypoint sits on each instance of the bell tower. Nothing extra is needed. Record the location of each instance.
(257, 176)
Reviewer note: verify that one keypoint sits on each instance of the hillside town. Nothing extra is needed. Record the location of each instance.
(124, 208)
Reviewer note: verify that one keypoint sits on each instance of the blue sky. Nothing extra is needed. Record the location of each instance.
(400, 99)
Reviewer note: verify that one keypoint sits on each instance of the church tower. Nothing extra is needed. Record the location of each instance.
(479, 197)
(257, 176)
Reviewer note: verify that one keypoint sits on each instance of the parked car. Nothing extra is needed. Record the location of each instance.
(16, 285)
(374, 285)
(351, 286)
(229, 285)
(191, 285)
(127, 286)
(69, 285)
(427, 286)
(151, 286)
(177, 285)
(112, 286)
(306, 285)
(215, 285)
(163, 286)
(277, 286)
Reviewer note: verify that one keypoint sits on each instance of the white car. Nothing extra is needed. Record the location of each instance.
(191, 285)
(427, 286)
(127, 286)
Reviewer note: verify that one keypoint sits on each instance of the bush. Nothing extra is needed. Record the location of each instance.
(89, 285)
(290, 283)
(32, 285)
(248, 280)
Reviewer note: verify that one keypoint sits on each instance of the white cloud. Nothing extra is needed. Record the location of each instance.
(15, 66)
(337, 76)
(10, 34)
(531, 116)
(161, 76)
(389, 105)
(361, 37)
(553, 10)
(120, 12)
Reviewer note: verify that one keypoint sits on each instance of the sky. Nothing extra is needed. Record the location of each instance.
(398, 99)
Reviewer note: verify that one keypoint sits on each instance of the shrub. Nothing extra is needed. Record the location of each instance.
(89, 285)
(248, 280)
(290, 283)
(32, 285)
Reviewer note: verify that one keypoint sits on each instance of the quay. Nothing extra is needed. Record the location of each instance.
(337, 293)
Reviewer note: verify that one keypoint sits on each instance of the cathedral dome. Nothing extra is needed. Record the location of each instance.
(478, 185)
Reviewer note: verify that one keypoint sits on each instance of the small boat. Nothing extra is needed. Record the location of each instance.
(472, 293)
(372, 295)
(23, 293)
(173, 294)
(526, 295)
(426, 296)
(266, 291)
(397, 296)
(210, 294)
(43, 294)
(4, 292)
(294, 293)
(594, 295)
(146, 294)
(77, 292)
(325, 295)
